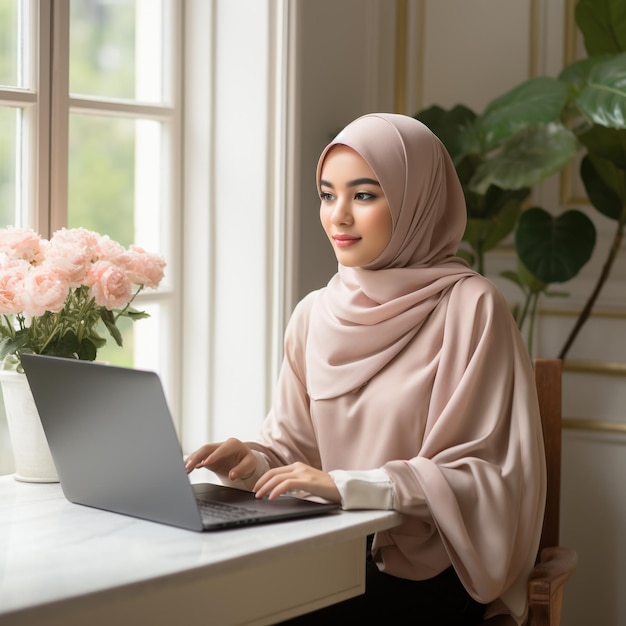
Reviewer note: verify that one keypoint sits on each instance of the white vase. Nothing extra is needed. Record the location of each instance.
(33, 461)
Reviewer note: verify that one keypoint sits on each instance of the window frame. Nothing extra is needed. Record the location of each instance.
(213, 390)
(46, 105)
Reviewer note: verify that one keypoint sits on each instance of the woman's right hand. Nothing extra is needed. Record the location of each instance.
(231, 458)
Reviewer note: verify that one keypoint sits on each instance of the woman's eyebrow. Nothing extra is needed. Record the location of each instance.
(353, 183)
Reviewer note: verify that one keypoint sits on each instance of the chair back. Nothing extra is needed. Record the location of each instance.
(555, 564)
(548, 373)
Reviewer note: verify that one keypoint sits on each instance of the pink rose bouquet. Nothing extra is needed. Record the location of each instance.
(55, 293)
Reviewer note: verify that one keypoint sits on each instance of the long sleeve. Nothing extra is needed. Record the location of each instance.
(367, 489)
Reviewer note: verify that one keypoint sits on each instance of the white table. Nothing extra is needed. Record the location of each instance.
(62, 564)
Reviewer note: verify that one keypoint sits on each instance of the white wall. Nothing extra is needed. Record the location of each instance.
(344, 53)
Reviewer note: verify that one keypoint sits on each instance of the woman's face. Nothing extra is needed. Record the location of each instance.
(354, 211)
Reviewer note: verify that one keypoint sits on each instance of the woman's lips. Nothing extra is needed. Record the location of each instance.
(345, 241)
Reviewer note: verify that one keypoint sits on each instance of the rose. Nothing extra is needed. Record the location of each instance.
(12, 276)
(109, 285)
(71, 253)
(144, 268)
(20, 244)
(108, 250)
(44, 290)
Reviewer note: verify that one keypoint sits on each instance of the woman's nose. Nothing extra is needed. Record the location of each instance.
(342, 213)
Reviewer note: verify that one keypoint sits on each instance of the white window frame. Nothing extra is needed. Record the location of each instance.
(46, 104)
(237, 221)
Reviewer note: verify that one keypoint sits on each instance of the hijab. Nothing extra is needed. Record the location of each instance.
(366, 315)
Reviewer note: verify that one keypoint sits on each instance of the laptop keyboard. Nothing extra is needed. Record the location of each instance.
(225, 512)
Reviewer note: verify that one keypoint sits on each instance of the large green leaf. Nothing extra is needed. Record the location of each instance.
(448, 125)
(606, 143)
(526, 279)
(554, 249)
(527, 159)
(502, 225)
(536, 101)
(603, 100)
(603, 25)
(605, 186)
(485, 234)
(577, 73)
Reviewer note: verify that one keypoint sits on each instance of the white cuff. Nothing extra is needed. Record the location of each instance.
(367, 489)
(262, 465)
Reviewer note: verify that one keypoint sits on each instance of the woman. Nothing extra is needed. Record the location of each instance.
(406, 385)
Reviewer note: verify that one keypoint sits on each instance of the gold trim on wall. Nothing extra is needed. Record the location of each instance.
(570, 53)
(533, 43)
(603, 368)
(409, 13)
(402, 14)
(571, 423)
(617, 314)
(569, 39)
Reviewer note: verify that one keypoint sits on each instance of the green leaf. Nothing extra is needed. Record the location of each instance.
(109, 321)
(576, 74)
(557, 294)
(13, 345)
(605, 186)
(603, 25)
(554, 249)
(606, 143)
(87, 350)
(527, 159)
(536, 101)
(448, 126)
(476, 230)
(603, 100)
(466, 256)
(134, 314)
(502, 225)
(513, 277)
(529, 280)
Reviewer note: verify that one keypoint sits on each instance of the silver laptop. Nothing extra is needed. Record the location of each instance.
(115, 448)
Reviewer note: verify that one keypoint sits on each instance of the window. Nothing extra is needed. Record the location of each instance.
(99, 141)
(89, 131)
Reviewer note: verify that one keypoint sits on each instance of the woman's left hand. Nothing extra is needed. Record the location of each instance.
(279, 480)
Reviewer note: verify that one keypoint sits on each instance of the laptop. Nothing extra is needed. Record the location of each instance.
(115, 448)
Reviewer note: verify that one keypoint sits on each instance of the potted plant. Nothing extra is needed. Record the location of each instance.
(532, 132)
(55, 295)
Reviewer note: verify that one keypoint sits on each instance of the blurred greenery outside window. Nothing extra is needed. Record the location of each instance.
(118, 123)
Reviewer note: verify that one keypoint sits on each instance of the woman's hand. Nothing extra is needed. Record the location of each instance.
(231, 458)
(296, 476)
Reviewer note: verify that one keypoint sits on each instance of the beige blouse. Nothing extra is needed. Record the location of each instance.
(453, 421)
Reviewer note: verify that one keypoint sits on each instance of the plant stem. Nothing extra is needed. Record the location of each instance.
(604, 274)
(122, 311)
(533, 316)
(524, 313)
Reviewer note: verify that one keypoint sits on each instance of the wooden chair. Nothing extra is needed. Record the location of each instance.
(555, 563)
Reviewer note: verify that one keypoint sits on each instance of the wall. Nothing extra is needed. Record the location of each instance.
(469, 53)
(344, 53)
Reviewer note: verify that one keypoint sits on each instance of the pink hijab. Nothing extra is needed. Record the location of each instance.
(367, 315)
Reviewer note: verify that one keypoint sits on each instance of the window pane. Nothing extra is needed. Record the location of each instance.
(116, 49)
(113, 189)
(114, 177)
(101, 154)
(8, 161)
(9, 42)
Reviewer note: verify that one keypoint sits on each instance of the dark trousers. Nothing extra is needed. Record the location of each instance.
(438, 601)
